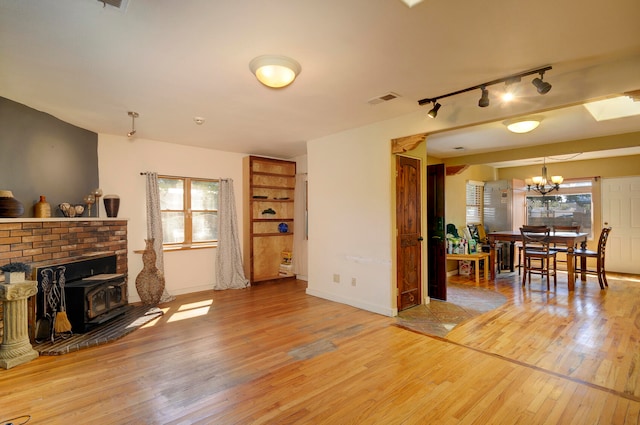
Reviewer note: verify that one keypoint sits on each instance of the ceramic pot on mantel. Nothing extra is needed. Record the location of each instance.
(42, 209)
(10, 206)
(150, 282)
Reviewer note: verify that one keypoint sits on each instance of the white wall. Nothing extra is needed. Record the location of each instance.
(350, 215)
(121, 160)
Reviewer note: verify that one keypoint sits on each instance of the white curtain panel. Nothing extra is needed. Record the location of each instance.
(300, 232)
(229, 271)
(154, 226)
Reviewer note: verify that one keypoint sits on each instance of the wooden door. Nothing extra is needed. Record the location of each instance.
(437, 243)
(409, 239)
(621, 211)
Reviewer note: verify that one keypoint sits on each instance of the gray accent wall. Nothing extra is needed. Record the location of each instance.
(42, 155)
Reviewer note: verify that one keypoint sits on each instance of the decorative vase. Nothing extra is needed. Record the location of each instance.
(111, 205)
(9, 206)
(42, 209)
(150, 282)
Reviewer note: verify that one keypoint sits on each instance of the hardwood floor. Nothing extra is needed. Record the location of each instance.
(273, 355)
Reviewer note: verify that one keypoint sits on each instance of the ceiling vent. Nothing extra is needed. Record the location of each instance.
(384, 98)
(118, 4)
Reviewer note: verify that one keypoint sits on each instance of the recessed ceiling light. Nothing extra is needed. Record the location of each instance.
(610, 109)
(523, 125)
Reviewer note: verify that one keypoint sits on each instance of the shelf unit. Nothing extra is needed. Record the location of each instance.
(269, 186)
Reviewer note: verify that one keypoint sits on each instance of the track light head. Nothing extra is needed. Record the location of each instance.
(542, 86)
(133, 116)
(434, 111)
(484, 99)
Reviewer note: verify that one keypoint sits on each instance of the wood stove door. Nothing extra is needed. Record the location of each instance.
(106, 297)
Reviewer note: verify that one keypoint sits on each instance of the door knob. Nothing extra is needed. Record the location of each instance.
(420, 238)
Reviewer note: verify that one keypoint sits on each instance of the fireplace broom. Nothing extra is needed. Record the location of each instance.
(62, 324)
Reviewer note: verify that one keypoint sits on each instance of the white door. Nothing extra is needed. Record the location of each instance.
(621, 211)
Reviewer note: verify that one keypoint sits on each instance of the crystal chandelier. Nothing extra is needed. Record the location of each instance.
(543, 184)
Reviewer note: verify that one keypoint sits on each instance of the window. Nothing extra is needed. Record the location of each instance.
(474, 202)
(571, 205)
(189, 209)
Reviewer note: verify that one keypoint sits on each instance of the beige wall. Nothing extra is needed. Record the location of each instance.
(621, 166)
(455, 192)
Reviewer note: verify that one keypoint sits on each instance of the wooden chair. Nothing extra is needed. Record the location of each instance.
(585, 254)
(564, 249)
(536, 246)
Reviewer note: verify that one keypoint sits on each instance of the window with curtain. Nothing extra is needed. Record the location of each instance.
(189, 209)
(571, 205)
(474, 198)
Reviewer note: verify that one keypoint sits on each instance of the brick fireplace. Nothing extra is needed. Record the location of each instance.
(39, 242)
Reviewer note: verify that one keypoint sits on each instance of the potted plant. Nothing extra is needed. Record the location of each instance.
(15, 272)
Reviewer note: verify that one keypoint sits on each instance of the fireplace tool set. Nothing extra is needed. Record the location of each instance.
(54, 322)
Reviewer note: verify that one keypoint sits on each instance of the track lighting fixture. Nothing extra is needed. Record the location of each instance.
(133, 116)
(484, 99)
(542, 87)
(434, 111)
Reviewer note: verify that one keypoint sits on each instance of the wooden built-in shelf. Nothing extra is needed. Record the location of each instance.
(267, 182)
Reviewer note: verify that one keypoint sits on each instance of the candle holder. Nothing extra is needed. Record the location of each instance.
(97, 193)
(89, 200)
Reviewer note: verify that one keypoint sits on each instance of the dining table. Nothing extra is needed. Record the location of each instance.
(568, 239)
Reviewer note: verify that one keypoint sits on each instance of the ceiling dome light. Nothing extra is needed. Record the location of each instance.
(275, 71)
(523, 125)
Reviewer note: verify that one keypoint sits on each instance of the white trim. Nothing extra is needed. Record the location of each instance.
(385, 311)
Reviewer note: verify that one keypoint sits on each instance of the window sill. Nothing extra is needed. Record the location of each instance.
(180, 248)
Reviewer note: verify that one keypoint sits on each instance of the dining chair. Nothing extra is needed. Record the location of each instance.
(536, 247)
(585, 254)
(564, 249)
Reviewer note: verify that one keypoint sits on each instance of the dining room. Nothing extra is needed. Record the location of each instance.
(595, 194)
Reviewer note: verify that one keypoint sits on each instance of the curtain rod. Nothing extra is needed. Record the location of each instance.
(144, 173)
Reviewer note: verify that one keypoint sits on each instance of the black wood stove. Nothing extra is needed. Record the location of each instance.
(89, 289)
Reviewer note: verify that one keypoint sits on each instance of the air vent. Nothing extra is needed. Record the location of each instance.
(118, 4)
(384, 98)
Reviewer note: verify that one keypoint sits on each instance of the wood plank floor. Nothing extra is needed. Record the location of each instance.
(273, 355)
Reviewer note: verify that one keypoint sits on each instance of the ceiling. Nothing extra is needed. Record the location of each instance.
(88, 64)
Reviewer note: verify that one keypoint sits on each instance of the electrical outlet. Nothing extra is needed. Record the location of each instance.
(336, 278)
(353, 281)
